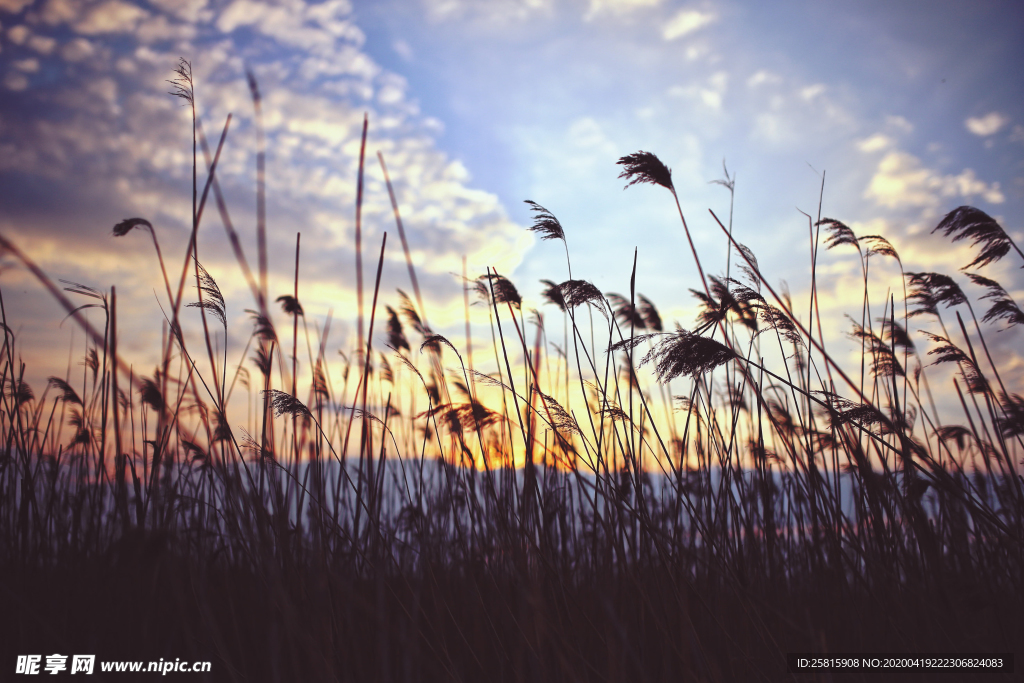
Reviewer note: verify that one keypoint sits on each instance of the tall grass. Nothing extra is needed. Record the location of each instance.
(408, 517)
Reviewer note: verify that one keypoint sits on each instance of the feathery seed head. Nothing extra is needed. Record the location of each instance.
(214, 301)
(286, 404)
(396, 336)
(151, 395)
(1003, 305)
(553, 294)
(967, 222)
(412, 318)
(290, 305)
(126, 226)
(649, 313)
(181, 84)
(434, 341)
(644, 167)
(839, 234)
(626, 312)
(578, 292)
(504, 291)
(545, 223)
(67, 392)
(685, 353)
(879, 245)
(928, 290)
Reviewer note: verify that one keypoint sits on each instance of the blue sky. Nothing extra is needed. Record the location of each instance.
(910, 109)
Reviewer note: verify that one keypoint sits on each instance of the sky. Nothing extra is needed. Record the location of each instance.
(892, 113)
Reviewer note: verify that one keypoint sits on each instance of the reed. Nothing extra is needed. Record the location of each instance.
(534, 515)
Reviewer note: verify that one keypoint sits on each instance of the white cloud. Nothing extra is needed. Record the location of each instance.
(989, 124)
(599, 7)
(345, 60)
(160, 28)
(875, 143)
(29, 66)
(104, 88)
(811, 91)
(493, 12)
(14, 6)
(771, 127)
(901, 181)
(42, 44)
(316, 28)
(685, 22)
(763, 77)
(123, 127)
(77, 49)
(403, 49)
(113, 16)
(899, 123)
(60, 11)
(586, 134)
(710, 95)
(18, 34)
(187, 10)
(392, 89)
(16, 82)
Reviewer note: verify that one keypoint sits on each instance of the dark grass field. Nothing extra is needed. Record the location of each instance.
(405, 517)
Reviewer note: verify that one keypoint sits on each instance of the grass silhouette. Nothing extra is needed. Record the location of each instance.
(553, 520)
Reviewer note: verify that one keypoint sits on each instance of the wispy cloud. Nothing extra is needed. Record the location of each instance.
(902, 181)
(875, 143)
(490, 12)
(986, 125)
(14, 6)
(87, 117)
(685, 22)
(616, 7)
(763, 77)
(114, 16)
(403, 49)
(536, 98)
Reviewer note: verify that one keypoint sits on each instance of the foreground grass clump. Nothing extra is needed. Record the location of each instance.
(552, 519)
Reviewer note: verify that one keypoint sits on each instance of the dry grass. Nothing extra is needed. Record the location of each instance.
(554, 519)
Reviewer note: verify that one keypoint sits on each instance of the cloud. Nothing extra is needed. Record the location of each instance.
(77, 49)
(901, 181)
(60, 11)
(186, 10)
(14, 6)
(160, 28)
(875, 143)
(616, 7)
(18, 34)
(42, 44)
(809, 92)
(403, 50)
(114, 16)
(294, 23)
(587, 136)
(899, 123)
(986, 125)
(113, 144)
(686, 22)
(16, 82)
(29, 65)
(493, 12)
(710, 95)
(763, 77)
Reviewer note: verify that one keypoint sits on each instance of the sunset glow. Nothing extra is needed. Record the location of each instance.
(590, 340)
